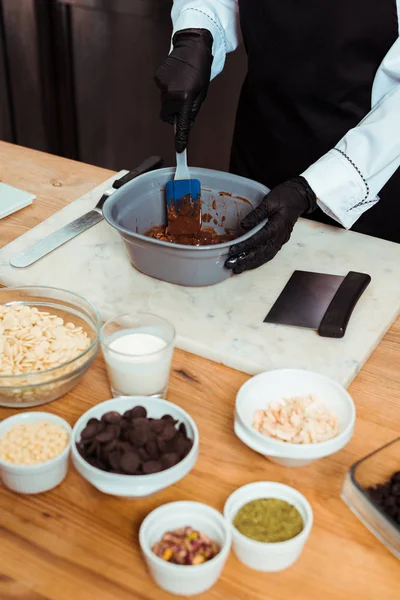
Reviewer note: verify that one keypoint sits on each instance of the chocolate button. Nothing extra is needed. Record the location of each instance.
(138, 411)
(182, 429)
(152, 449)
(152, 466)
(111, 417)
(107, 435)
(143, 455)
(169, 460)
(89, 431)
(162, 445)
(141, 423)
(110, 446)
(169, 432)
(157, 425)
(130, 462)
(114, 460)
(138, 438)
(92, 449)
(128, 414)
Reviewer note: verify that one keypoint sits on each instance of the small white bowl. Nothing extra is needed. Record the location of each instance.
(272, 386)
(135, 486)
(34, 479)
(262, 556)
(185, 580)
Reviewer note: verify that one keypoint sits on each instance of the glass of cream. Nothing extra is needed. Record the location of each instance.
(138, 349)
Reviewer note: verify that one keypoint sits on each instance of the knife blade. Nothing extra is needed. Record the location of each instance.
(56, 239)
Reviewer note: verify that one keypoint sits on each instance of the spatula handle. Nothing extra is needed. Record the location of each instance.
(337, 316)
(182, 171)
(149, 164)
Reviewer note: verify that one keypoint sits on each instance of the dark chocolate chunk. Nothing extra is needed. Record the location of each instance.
(152, 449)
(138, 411)
(169, 432)
(182, 429)
(169, 460)
(89, 432)
(92, 449)
(152, 466)
(130, 462)
(128, 414)
(81, 449)
(162, 445)
(124, 446)
(189, 445)
(107, 435)
(93, 420)
(110, 446)
(143, 455)
(141, 423)
(178, 444)
(114, 460)
(157, 425)
(390, 502)
(396, 489)
(168, 418)
(138, 437)
(111, 417)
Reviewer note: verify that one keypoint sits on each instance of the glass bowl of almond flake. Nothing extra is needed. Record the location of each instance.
(49, 337)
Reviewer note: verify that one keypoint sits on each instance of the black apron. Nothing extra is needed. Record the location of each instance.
(311, 66)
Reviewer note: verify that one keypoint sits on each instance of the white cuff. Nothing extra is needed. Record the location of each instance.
(196, 18)
(341, 190)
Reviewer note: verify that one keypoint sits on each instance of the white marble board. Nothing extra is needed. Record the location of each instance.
(225, 322)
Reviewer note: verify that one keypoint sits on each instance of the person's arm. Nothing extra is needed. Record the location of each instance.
(204, 31)
(348, 179)
(220, 17)
(345, 182)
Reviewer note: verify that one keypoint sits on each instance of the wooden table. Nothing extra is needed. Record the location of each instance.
(74, 543)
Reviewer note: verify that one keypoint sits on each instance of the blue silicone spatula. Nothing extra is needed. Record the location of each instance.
(183, 200)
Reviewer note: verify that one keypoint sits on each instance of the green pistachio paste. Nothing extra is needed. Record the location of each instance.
(269, 520)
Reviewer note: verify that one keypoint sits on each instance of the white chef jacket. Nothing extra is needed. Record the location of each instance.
(347, 179)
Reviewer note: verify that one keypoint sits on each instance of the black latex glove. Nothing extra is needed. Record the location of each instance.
(183, 79)
(282, 206)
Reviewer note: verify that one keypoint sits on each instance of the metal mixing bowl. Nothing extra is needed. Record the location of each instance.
(140, 204)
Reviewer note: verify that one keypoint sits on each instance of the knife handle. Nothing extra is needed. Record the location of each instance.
(335, 321)
(151, 163)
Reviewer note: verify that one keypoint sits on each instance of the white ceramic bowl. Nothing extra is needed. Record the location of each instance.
(135, 486)
(273, 386)
(264, 556)
(34, 479)
(182, 579)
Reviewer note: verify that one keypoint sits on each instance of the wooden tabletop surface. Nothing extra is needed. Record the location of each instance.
(73, 543)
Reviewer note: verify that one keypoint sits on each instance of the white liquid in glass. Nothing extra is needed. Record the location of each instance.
(138, 364)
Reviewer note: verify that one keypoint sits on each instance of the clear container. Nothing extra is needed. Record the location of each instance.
(36, 388)
(142, 367)
(375, 468)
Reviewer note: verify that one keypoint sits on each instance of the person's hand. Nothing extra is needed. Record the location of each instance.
(183, 79)
(282, 206)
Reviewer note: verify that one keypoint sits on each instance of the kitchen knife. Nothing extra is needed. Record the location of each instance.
(319, 301)
(68, 232)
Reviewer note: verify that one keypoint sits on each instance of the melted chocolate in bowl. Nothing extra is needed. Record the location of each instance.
(207, 236)
(185, 226)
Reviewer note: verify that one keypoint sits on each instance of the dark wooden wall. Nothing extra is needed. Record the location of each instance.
(82, 82)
